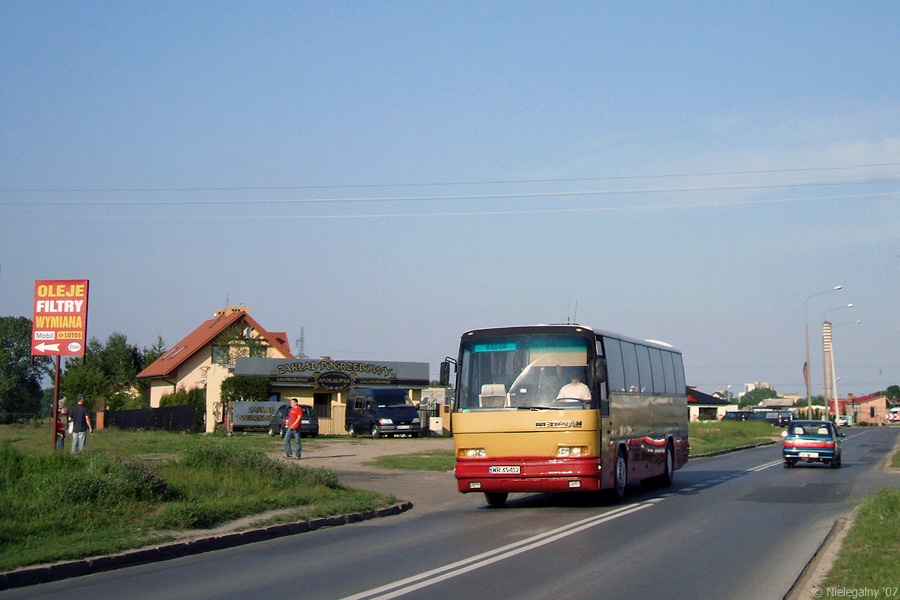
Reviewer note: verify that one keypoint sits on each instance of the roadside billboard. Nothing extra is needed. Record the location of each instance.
(59, 327)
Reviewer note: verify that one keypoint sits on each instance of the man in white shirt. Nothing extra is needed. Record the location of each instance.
(575, 390)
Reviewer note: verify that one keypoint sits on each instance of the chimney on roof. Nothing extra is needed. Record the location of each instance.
(229, 310)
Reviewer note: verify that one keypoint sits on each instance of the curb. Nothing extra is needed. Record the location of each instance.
(76, 568)
(821, 562)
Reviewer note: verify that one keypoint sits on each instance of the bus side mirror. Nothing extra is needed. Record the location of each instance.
(600, 370)
(445, 372)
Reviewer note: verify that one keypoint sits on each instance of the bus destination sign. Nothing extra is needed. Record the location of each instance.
(60, 318)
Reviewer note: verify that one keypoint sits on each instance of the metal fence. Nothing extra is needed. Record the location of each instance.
(168, 418)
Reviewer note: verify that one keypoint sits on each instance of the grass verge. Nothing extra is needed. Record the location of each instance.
(115, 496)
(714, 436)
(867, 556)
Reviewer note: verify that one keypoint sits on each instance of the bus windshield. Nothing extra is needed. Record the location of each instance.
(524, 372)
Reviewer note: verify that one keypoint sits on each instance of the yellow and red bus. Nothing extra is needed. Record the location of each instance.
(565, 408)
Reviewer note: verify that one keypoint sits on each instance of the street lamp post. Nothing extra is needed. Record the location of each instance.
(808, 369)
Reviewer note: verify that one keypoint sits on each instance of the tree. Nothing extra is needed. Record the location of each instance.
(153, 352)
(20, 378)
(754, 397)
(237, 342)
(893, 393)
(814, 400)
(87, 379)
(118, 359)
(107, 376)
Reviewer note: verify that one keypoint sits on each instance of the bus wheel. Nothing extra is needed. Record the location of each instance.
(352, 431)
(376, 433)
(496, 499)
(621, 477)
(665, 480)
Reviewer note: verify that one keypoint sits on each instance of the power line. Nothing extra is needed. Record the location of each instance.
(498, 196)
(483, 213)
(446, 183)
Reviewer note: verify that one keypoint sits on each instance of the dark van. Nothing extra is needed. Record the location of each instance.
(380, 412)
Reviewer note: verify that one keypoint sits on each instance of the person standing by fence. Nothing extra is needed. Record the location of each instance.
(295, 419)
(62, 421)
(81, 424)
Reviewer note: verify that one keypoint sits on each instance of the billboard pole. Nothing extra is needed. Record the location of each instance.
(56, 404)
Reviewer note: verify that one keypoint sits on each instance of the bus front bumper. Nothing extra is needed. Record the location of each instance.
(524, 474)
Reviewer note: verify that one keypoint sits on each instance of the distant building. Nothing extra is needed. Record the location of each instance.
(776, 403)
(867, 410)
(706, 407)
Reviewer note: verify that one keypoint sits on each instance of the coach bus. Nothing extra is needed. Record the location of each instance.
(565, 408)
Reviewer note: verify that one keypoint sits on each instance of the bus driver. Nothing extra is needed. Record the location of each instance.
(575, 390)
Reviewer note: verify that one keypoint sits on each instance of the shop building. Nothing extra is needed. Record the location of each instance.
(324, 383)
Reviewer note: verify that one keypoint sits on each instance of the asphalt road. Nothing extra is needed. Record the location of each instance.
(733, 526)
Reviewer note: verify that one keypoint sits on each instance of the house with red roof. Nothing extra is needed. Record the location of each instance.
(231, 333)
(705, 406)
(868, 410)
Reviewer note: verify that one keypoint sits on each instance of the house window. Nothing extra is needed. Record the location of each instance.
(872, 411)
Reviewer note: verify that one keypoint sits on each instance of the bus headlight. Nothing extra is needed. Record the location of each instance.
(385, 421)
(571, 451)
(471, 453)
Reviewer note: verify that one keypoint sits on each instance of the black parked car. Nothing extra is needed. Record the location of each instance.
(381, 412)
(738, 415)
(781, 418)
(309, 423)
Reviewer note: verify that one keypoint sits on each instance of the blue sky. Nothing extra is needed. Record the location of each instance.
(387, 175)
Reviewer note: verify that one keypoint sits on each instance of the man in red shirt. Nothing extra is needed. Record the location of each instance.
(295, 417)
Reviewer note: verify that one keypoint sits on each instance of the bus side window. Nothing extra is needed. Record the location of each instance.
(669, 372)
(680, 387)
(643, 358)
(656, 363)
(615, 369)
(632, 375)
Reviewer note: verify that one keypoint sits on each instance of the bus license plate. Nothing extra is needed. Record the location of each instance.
(402, 426)
(809, 455)
(505, 470)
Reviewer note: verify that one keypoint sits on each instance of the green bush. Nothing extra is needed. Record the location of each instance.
(250, 388)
